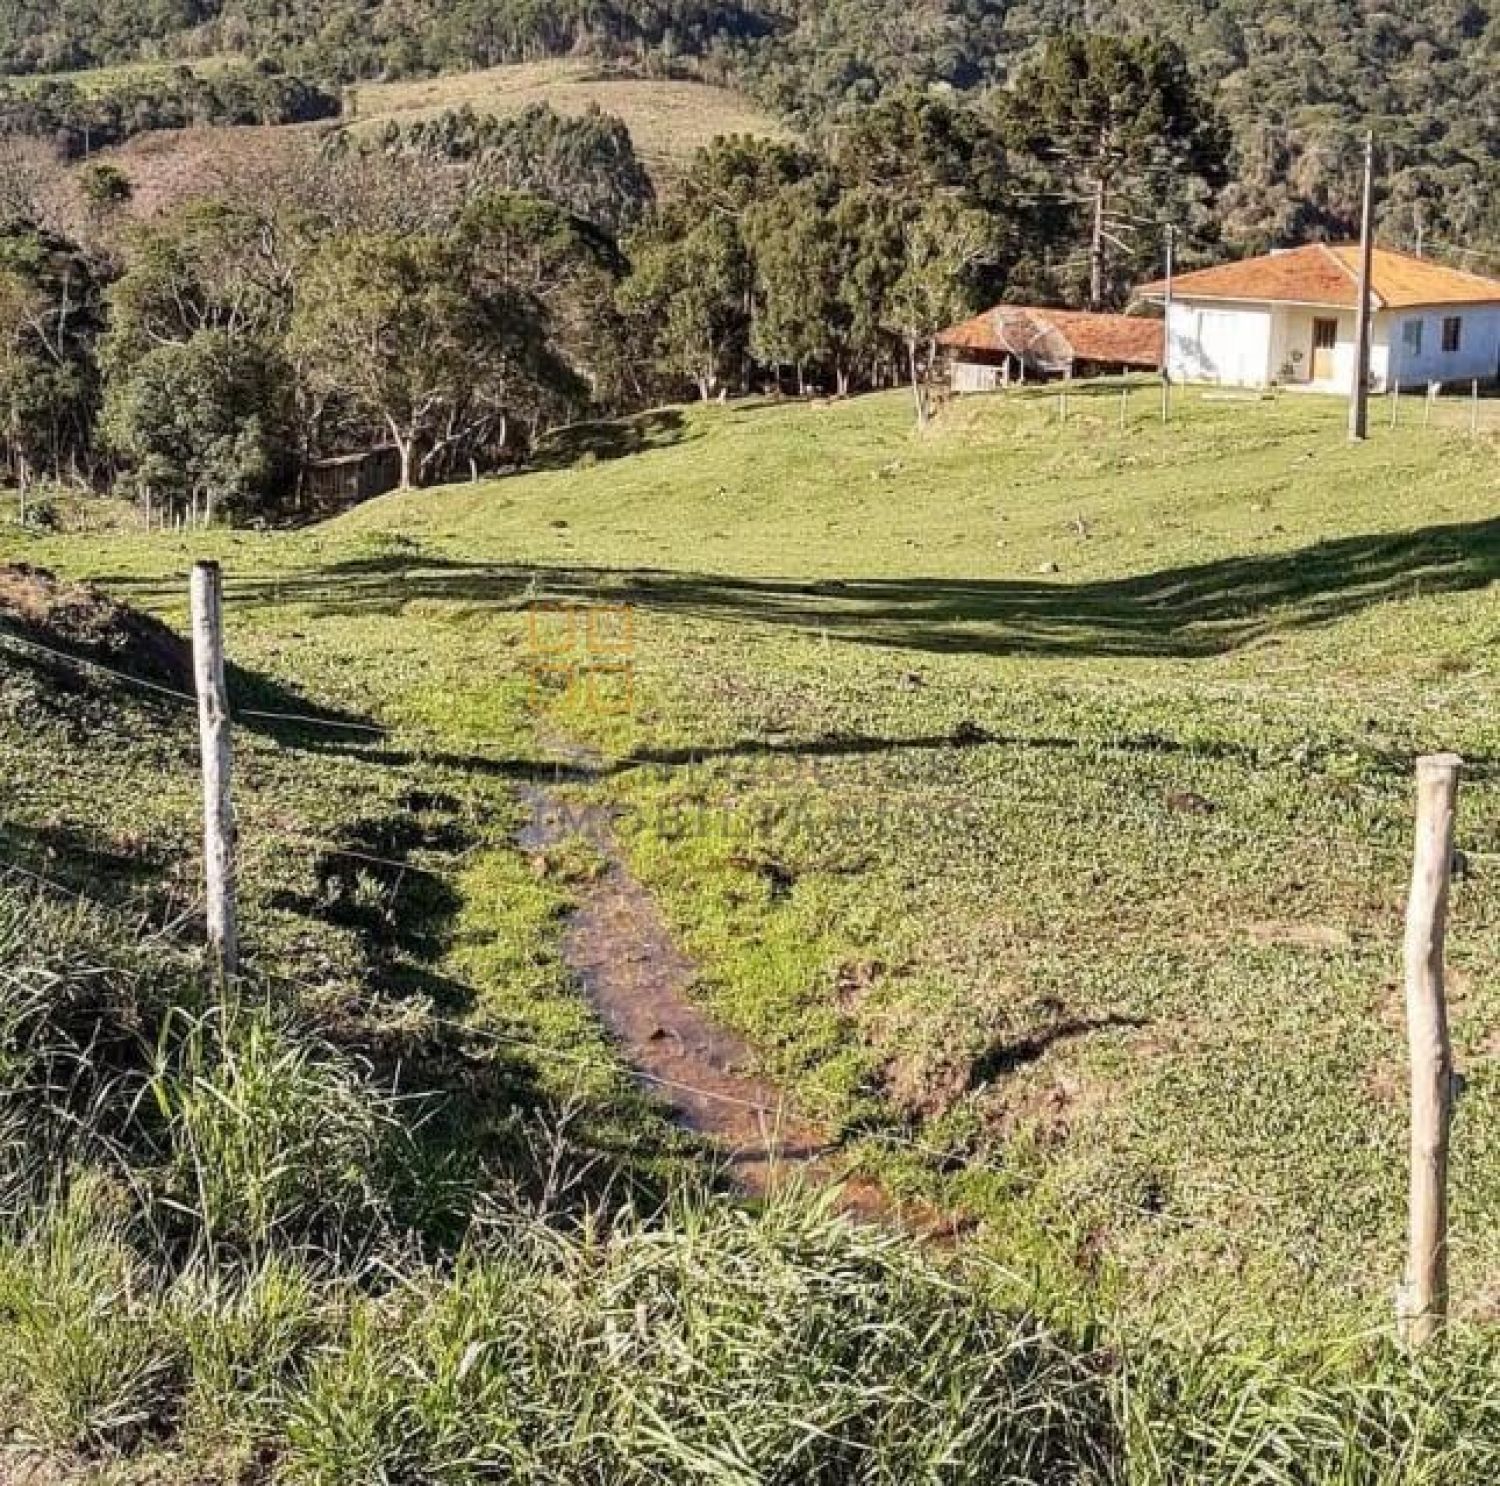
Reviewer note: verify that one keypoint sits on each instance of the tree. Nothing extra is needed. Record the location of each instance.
(50, 313)
(1117, 126)
(942, 244)
(194, 421)
(689, 288)
(586, 163)
(866, 226)
(419, 336)
(798, 311)
(558, 275)
(381, 319)
(211, 265)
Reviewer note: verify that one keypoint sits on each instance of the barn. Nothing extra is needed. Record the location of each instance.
(1020, 343)
(1288, 319)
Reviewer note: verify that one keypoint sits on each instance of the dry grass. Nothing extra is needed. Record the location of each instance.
(668, 119)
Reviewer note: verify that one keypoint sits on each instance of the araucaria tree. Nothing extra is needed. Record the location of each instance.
(1115, 127)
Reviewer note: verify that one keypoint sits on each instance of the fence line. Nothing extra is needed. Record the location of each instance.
(1426, 1291)
(1063, 690)
(1029, 1182)
(604, 768)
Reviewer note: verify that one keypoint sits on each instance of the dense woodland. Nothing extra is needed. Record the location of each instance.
(80, 120)
(453, 288)
(1295, 79)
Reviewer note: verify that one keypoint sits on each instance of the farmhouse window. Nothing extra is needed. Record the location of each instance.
(1411, 336)
(1453, 329)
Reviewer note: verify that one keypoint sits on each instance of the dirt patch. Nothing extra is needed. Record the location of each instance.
(1300, 936)
(83, 620)
(639, 982)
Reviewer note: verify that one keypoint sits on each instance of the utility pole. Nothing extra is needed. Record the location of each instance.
(1359, 393)
(1166, 333)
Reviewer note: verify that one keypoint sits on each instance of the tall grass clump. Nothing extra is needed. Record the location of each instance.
(86, 1352)
(271, 1136)
(77, 1013)
(204, 1255)
(712, 1346)
(1356, 1413)
(246, 1332)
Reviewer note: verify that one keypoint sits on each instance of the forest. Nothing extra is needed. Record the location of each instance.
(79, 121)
(1295, 80)
(453, 287)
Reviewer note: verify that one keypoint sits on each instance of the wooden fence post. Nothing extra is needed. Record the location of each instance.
(1124, 404)
(1395, 402)
(1423, 1304)
(1474, 408)
(213, 733)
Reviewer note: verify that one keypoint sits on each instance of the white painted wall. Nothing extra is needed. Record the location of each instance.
(1219, 343)
(1478, 354)
(1292, 347)
(1254, 345)
(974, 376)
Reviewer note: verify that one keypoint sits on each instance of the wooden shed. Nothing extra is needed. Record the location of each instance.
(1020, 343)
(347, 479)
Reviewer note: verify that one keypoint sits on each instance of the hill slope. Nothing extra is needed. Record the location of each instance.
(668, 120)
(1297, 82)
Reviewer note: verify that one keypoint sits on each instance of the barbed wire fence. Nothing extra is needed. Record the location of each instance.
(569, 767)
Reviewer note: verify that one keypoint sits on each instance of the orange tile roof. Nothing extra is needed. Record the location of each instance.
(1060, 336)
(1324, 273)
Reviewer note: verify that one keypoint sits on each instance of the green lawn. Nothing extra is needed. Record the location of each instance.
(1036, 790)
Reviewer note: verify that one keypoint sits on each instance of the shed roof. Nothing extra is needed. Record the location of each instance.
(1328, 273)
(1055, 338)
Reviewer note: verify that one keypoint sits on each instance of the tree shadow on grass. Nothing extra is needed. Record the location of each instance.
(1193, 612)
(385, 882)
(1007, 1057)
(596, 442)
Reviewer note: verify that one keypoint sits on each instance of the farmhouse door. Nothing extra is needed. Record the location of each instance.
(1325, 338)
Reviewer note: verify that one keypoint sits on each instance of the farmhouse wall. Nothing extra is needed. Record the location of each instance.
(1478, 353)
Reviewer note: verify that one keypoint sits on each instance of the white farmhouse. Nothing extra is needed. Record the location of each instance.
(1289, 319)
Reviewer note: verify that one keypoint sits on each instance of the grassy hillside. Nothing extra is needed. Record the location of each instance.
(1040, 787)
(668, 120)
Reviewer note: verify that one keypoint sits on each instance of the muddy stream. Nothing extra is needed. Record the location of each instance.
(638, 981)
